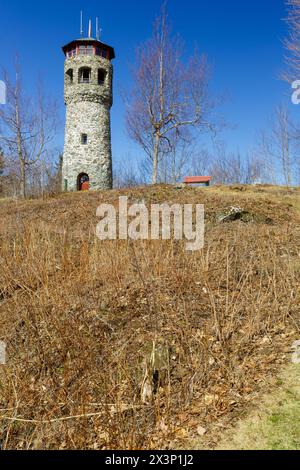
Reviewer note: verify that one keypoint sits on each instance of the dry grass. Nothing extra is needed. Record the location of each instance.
(92, 326)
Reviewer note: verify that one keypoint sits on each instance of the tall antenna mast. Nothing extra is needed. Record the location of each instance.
(81, 24)
(90, 28)
(97, 29)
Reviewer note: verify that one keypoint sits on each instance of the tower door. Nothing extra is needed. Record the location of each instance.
(83, 182)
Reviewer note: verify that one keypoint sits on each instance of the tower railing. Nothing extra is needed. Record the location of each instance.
(84, 80)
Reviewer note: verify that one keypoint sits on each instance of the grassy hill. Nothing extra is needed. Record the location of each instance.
(122, 344)
(275, 423)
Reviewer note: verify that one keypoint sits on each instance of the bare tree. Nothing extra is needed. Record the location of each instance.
(176, 162)
(200, 163)
(27, 126)
(226, 167)
(279, 144)
(292, 43)
(231, 167)
(170, 96)
(126, 175)
(255, 169)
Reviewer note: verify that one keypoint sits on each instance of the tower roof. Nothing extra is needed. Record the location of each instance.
(86, 42)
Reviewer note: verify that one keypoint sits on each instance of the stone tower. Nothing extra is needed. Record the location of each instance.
(87, 162)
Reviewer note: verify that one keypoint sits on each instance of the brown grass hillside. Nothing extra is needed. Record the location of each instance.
(90, 326)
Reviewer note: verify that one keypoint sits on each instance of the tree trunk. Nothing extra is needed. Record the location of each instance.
(19, 144)
(155, 160)
(23, 180)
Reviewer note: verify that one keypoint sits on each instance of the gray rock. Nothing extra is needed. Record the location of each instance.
(296, 353)
(234, 213)
(231, 214)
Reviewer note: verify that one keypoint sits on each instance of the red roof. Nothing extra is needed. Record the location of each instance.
(88, 41)
(197, 179)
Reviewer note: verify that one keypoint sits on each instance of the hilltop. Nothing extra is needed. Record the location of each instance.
(122, 344)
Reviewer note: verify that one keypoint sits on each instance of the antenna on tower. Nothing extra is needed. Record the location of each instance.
(97, 29)
(81, 24)
(90, 28)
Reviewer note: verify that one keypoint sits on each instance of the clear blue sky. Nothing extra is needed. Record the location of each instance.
(243, 41)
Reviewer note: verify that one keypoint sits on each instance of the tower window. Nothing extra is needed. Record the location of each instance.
(71, 53)
(86, 50)
(84, 75)
(84, 139)
(69, 74)
(102, 52)
(101, 76)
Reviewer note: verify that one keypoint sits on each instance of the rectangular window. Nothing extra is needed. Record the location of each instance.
(101, 77)
(71, 53)
(84, 139)
(86, 50)
(102, 52)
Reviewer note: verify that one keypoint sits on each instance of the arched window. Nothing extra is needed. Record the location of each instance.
(83, 182)
(101, 76)
(84, 75)
(69, 76)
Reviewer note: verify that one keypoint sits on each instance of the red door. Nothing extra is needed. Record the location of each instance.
(83, 182)
(85, 186)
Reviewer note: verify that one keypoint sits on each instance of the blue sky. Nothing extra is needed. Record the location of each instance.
(243, 41)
